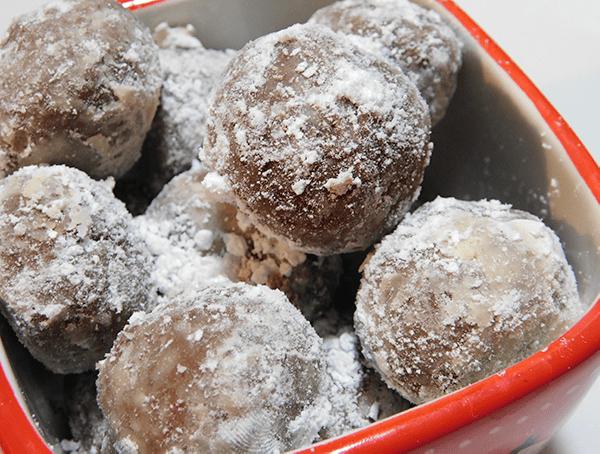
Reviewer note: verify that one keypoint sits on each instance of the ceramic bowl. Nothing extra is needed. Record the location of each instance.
(501, 139)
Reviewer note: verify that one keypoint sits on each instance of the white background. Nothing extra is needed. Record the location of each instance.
(557, 44)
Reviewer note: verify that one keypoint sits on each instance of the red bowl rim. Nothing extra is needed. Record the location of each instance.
(425, 423)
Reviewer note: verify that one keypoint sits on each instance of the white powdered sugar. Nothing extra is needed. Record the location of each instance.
(415, 39)
(357, 395)
(189, 73)
(198, 238)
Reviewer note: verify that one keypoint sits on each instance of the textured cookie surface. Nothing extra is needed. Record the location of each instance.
(79, 85)
(233, 369)
(412, 37)
(72, 267)
(459, 291)
(323, 145)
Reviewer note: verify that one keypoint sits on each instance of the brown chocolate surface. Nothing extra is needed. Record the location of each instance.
(323, 145)
(79, 85)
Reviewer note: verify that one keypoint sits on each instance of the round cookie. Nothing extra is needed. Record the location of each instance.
(323, 145)
(79, 85)
(233, 369)
(458, 292)
(412, 37)
(72, 267)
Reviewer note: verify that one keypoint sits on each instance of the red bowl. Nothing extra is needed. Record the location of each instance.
(500, 139)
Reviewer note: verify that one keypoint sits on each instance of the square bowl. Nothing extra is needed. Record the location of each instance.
(500, 139)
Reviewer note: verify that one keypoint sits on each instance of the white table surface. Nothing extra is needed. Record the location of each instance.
(557, 44)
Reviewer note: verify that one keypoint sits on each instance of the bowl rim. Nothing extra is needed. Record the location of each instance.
(20, 435)
(412, 428)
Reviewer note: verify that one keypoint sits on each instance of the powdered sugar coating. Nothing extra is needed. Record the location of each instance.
(412, 37)
(357, 394)
(189, 73)
(79, 85)
(198, 237)
(323, 145)
(72, 267)
(180, 229)
(234, 369)
(459, 291)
